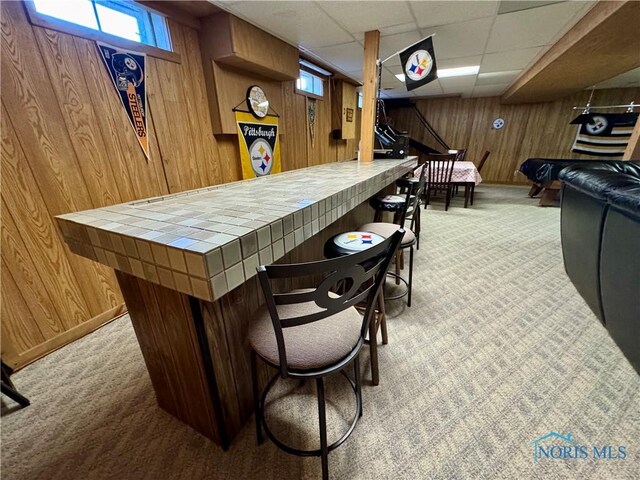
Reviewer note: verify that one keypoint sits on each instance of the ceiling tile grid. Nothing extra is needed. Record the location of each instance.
(502, 37)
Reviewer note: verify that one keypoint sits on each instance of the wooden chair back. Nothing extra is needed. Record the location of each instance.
(483, 160)
(440, 170)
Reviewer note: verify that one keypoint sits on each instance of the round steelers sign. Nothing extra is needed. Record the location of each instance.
(261, 157)
(357, 241)
(419, 65)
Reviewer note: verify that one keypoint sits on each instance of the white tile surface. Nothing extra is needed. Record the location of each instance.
(210, 264)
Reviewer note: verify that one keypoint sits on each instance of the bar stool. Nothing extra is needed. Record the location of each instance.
(386, 230)
(314, 333)
(349, 243)
(388, 203)
(411, 183)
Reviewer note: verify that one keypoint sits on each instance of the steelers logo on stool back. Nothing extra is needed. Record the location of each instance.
(419, 65)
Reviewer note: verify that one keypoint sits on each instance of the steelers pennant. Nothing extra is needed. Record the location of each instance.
(419, 64)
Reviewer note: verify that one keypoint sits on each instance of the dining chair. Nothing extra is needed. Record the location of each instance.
(314, 333)
(440, 171)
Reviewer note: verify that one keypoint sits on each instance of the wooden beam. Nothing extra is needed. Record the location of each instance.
(632, 152)
(369, 94)
(603, 44)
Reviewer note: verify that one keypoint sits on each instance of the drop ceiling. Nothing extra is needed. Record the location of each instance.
(503, 37)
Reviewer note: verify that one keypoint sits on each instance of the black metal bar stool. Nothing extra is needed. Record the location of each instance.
(349, 243)
(386, 229)
(411, 183)
(313, 333)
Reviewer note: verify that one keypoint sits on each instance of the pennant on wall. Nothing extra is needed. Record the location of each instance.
(311, 117)
(126, 70)
(259, 145)
(419, 64)
(604, 134)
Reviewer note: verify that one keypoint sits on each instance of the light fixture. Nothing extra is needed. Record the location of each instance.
(458, 72)
(450, 72)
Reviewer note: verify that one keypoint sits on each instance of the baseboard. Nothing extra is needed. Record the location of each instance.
(16, 362)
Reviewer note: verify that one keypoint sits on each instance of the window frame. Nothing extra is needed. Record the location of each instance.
(45, 21)
(309, 94)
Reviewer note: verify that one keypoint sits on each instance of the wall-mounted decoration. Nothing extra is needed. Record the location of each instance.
(311, 117)
(603, 134)
(259, 145)
(126, 69)
(257, 102)
(498, 123)
(349, 114)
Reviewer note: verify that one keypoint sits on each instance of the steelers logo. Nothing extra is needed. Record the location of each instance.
(261, 157)
(419, 65)
(597, 125)
(357, 241)
(130, 63)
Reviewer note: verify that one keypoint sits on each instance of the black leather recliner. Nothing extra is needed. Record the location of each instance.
(600, 230)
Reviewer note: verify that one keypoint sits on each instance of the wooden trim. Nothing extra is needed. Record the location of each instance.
(632, 152)
(65, 338)
(605, 35)
(307, 94)
(44, 21)
(166, 9)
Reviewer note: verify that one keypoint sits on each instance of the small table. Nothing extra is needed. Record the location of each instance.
(466, 173)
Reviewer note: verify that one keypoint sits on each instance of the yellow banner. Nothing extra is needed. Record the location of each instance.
(259, 145)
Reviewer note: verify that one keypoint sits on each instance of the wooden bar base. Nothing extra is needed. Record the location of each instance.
(197, 352)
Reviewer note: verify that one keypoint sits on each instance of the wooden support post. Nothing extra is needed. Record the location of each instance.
(369, 94)
(632, 152)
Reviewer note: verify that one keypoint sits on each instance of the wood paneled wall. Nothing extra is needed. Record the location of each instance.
(67, 145)
(531, 130)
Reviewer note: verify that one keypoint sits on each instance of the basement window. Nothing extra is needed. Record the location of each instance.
(124, 19)
(308, 83)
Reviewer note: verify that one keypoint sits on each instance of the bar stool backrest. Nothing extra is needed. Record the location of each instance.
(417, 193)
(361, 274)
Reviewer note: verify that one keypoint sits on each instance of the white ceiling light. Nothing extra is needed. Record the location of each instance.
(458, 72)
(450, 72)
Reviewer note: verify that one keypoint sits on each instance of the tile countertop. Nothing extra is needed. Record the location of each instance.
(206, 242)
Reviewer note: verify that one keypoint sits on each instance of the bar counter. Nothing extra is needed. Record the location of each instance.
(186, 265)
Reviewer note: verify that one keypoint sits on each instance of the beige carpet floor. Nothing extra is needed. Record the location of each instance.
(497, 350)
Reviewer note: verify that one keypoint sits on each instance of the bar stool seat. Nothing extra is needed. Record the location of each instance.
(388, 203)
(309, 346)
(385, 230)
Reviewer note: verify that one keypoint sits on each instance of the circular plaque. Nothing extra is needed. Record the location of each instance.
(257, 102)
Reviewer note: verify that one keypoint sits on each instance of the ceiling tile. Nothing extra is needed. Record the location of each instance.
(460, 39)
(532, 28)
(300, 23)
(430, 14)
(507, 6)
(457, 84)
(347, 57)
(362, 16)
(433, 88)
(497, 77)
(512, 60)
(459, 62)
(488, 90)
(624, 80)
(394, 43)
